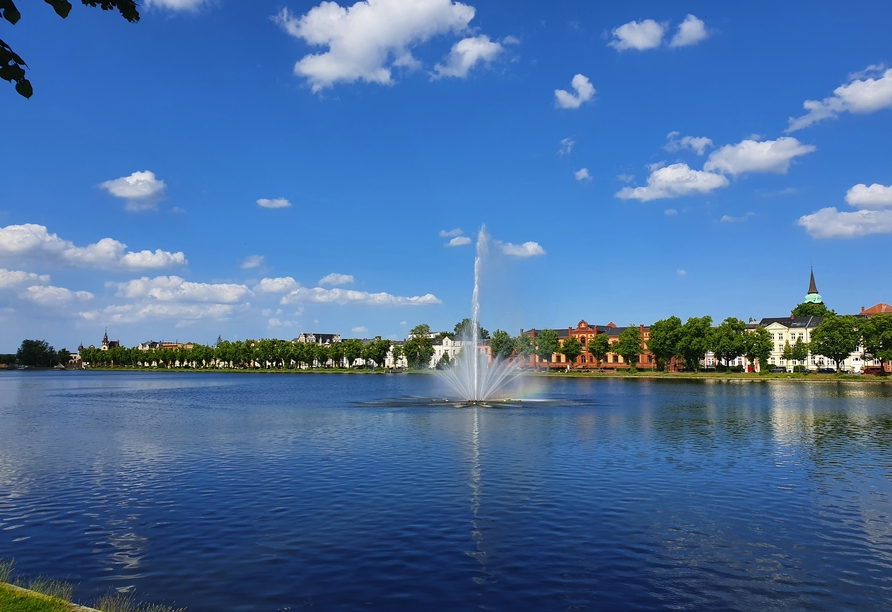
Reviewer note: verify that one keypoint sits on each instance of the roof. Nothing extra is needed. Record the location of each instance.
(792, 323)
(878, 309)
(812, 287)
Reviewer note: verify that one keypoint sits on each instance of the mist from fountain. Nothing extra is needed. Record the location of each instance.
(472, 376)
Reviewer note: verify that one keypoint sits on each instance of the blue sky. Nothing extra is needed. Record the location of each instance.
(261, 169)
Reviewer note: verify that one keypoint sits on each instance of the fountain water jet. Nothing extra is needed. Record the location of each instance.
(472, 376)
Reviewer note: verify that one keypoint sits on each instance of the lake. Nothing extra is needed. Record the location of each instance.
(232, 492)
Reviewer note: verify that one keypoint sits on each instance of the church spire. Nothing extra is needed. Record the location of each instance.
(812, 287)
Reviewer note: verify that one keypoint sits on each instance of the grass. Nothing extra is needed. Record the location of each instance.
(51, 595)
(124, 602)
(19, 601)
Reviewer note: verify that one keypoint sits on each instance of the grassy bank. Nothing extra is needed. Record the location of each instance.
(50, 595)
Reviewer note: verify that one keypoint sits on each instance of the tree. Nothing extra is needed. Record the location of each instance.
(545, 344)
(757, 346)
(377, 350)
(598, 347)
(464, 327)
(352, 351)
(502, 344)
(808, 309)
(663, 341)
(523, 344)
(398, 353)
(836, 337)
(629, 346)
(12, 67)
(64, 356)
(800, 352)
(878, 337)
(36, 353)
(694, 341)
(337, 352)
(728, 341)
(443, 364)
(419, 347)
(571, 348)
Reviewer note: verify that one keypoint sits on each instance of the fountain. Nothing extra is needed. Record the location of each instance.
(472, 376)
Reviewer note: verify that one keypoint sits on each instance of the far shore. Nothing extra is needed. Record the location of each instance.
(624, 374)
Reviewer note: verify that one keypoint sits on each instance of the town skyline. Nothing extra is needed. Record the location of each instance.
(628, 161)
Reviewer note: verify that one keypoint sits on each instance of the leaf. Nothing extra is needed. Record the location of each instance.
(24, 88)
(62, 7)
(10, 12)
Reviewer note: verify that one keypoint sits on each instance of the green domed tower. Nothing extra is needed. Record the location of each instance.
(813, 297)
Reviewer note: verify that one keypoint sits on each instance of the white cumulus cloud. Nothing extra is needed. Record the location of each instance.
(582, 175)
(466, 54)
(527, 249)
(366, 40)
(276, 285)
(831, 223)
(690, 32)
(12, 278)
(458, 241)
(276, 203)
(741, 219)
(34, 241)
(875, 196)
(335, 279)
(176, 289)
(55, 296)
(674, 181)
(641, 35)
(698, 144)
(141, 190)
(584, 91)
(757, 156)
(456, 232)
(362, 329)
(349, 296)
(867, 92)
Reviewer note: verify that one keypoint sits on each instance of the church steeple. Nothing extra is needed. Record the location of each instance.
(813, 297)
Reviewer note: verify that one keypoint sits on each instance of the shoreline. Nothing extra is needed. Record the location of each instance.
(748, 377)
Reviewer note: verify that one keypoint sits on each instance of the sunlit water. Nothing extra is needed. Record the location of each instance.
(279, 492)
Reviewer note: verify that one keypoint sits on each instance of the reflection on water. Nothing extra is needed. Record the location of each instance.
(227, 492)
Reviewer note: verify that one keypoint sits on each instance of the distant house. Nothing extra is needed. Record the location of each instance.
(878, 309)
(109, 344)
(585, 332)
(317, 338)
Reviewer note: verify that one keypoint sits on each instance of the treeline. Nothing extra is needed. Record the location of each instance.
(252, 354)
(36, 354)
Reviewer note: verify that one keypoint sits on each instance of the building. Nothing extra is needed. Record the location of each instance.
(108, 344)
(453, 348)
(880, 308)
(317, 338)
(585, 332)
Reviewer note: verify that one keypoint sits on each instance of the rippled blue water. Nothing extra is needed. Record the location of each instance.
(277, 492)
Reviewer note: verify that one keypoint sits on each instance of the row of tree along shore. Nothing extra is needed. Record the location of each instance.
(670, 341)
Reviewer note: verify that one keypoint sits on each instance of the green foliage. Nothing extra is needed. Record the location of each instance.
(787, 353)
(545, 344)
(6, 569)
(629, 346)
(878, 337)
(523, 344)
(728, 340)
(352, 351)
(695, 339)
(36, 353)
(18, 601)
(664, 338)
(800, 350)
(836, 337)
(419, 348)
(571, 348)
(502, 344)
(598, 347)
(463, 330)
(806, 309)
(377, 350)
(444, 363)
(12, 67)
(7, 359)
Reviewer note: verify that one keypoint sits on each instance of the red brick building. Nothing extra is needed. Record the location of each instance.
(584, 332)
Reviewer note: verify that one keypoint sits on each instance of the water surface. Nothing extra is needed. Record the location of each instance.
(278, 492)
